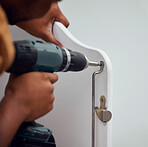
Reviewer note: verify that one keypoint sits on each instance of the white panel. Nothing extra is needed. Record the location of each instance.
(71, 118)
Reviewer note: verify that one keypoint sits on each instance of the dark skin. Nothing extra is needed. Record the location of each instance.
(22, 10)
(29, 96)
(42, 27)
(27, 101)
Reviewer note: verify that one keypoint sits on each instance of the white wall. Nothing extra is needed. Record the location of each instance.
(120, 28)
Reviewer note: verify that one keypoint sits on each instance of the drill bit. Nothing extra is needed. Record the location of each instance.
(91, 63)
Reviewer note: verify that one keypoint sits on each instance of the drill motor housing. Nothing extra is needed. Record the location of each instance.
(45, 57)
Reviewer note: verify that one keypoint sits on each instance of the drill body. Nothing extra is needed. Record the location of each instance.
(45, 57)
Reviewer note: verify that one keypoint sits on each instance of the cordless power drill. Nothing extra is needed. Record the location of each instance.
(44, 57)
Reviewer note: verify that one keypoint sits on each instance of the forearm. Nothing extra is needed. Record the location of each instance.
(11, 117)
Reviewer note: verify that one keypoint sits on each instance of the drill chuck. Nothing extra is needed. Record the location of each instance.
(72, 61)
(45, 57)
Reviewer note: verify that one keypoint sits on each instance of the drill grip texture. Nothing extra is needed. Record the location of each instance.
(36, 56)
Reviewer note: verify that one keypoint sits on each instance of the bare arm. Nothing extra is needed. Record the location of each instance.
(11, 117)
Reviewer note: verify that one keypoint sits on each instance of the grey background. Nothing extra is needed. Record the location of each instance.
(120, 28)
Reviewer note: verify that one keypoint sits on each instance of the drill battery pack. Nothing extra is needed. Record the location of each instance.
(32, 134)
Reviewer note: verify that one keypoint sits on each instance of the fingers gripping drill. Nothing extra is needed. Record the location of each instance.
(46, 57)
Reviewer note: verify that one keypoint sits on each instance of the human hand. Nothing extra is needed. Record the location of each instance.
(27, 97)
(32, 93)
(42, 27)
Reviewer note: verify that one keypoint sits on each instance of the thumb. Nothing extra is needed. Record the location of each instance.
(52, 77)
(48, 37)
(61, 18)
